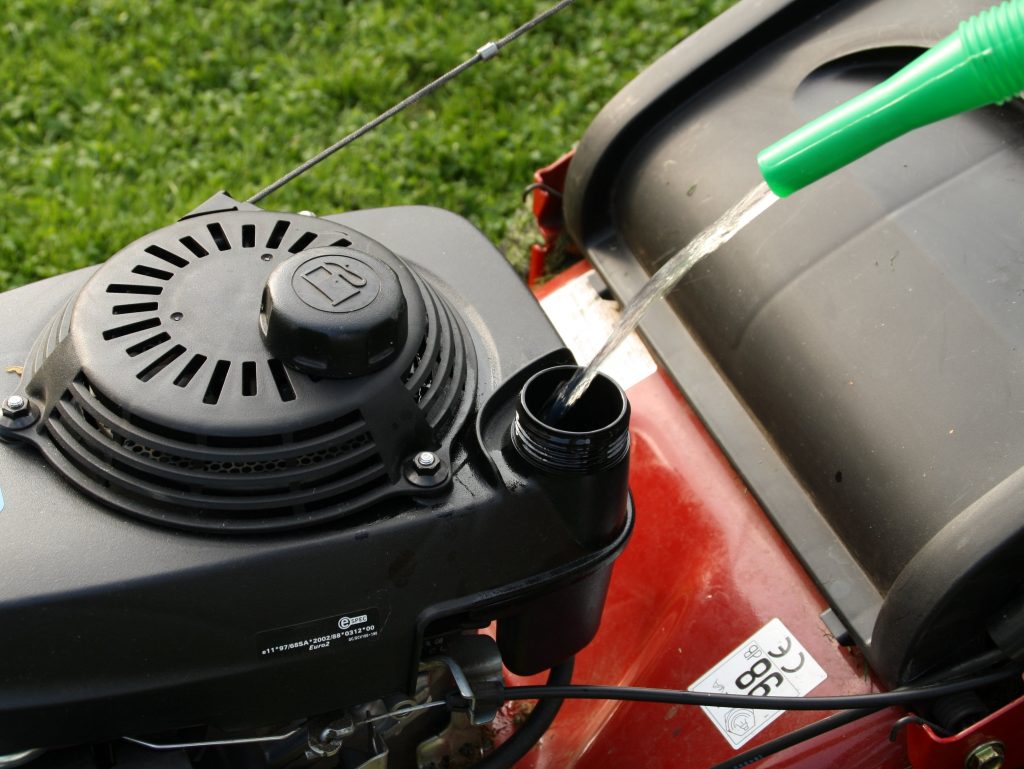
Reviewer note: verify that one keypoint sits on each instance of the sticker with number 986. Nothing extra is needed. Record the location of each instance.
(771, 663)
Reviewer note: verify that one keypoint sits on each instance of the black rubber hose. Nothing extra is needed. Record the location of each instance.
(533, 728)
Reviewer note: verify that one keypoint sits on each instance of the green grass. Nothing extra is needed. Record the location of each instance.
(118, 117)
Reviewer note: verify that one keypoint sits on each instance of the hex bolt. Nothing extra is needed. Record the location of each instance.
(15, 406)
(426, 470)
(987, 755)
(427, 462)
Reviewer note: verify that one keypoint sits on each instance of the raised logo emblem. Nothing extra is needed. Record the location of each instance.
(336, 283)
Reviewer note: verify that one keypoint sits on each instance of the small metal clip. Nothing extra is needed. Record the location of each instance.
(466, 696)
(488, 50)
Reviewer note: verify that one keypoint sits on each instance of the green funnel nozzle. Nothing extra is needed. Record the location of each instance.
(981, 63)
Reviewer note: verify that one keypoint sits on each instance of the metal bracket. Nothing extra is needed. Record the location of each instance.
(461, 683)
(477, 714)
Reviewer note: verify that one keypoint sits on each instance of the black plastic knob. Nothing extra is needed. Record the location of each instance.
(334, 312)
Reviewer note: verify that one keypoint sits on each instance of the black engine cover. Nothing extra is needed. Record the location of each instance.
(121, 615)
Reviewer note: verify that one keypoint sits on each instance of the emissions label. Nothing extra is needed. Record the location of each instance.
(321, 634)
(771, 663)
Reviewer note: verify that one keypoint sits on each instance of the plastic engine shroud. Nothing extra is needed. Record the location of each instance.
(118, 625)
(160, 396)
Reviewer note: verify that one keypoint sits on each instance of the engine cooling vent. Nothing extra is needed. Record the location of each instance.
(242, 371)
(140, 311)
(437, 376)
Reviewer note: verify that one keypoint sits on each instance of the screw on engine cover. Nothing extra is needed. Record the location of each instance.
(988, 755)
(426, 470)
(427, 461)
(15, 407)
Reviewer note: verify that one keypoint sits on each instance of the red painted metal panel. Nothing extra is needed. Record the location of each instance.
(1006, 725)
(547, 187)
(704, 571)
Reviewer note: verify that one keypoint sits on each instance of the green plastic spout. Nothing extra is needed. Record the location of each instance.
(981, 63)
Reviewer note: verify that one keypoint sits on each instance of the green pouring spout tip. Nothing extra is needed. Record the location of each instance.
(981, 63)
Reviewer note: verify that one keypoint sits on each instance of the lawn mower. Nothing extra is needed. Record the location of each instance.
(280, 490)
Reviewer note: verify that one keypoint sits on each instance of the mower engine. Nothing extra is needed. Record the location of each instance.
(290, 471)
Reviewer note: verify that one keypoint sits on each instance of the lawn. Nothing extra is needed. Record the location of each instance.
(118, 117)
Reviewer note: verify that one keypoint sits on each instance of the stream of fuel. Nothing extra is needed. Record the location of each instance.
(753, 204)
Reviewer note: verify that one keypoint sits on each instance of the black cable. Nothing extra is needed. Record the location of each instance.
(676, 697)
(809, 732)
(907, 720)
(794, 737)
(533, 728)
(974, 665)
(484, 53)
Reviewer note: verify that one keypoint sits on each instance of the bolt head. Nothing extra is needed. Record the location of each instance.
(427, 460)
(15, 406)
(426, 470)
(988, 755)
